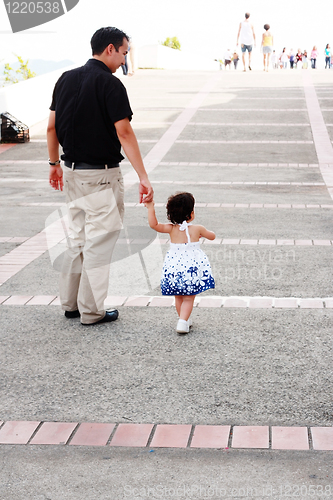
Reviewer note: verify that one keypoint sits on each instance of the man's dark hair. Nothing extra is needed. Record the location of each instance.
(179, 207)
(247, 15)
(104, 36)
(266, 27)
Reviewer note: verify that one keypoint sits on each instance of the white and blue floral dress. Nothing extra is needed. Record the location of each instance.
(186, 269)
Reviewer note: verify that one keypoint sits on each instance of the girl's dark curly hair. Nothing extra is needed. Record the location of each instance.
(179, 207)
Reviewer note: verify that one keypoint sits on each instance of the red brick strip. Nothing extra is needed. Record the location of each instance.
(165, 435)
(250, 437)
(290, 438)
(210, 436)
(41, 300)
(140, 301)
(17, 432)
(322, 438)
(94, 434)
(53, 433)
(162, 302)
(132, 435)
(171, 436)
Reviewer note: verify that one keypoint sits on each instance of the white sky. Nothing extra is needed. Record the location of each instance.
(207, 27)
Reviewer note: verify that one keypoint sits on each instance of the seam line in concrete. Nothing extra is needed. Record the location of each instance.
(172, 163)
(35, 432)
(248, 124)
(240, 142)
(198, 205)
(206, 301)
(231, 431)
(112, 434)
(221, 164)
(189, 441)
(258, 109)
(228, 124)
(151, 435)
(310, 439)
(198, 183)
(269, 437)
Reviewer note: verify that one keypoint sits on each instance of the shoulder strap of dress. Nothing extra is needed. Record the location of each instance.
(184, 227)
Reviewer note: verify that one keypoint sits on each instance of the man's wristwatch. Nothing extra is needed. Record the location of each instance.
(54, 163)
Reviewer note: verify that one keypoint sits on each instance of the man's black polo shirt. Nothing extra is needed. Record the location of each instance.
(87, 102)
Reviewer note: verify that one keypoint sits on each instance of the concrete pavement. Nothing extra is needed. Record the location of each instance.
(247, 147)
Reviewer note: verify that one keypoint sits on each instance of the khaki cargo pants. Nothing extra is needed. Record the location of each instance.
(95, 205)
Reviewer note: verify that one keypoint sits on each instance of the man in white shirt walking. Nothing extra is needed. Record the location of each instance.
(247, 38)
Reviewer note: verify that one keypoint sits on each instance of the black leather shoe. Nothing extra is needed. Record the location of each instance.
(109, 316)
(72, 314)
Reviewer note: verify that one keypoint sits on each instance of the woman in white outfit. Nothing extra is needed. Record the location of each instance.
(284, 58)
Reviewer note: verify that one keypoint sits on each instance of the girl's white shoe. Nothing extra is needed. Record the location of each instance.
(182, 326)
(189, 322)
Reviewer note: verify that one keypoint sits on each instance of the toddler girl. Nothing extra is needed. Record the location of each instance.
(186, 269)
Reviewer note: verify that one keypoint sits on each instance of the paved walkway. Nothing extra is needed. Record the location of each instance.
(242, 406)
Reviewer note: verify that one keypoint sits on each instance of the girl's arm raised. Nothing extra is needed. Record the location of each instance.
(153, 222)
(206, 234)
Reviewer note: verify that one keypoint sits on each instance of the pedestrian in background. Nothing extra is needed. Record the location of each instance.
(247, 39)
(305, 60)
(124, 67)
(235, 59)
(274, 60)
(313, 57)
(327, 56)
(291, 58)
(227, 59)
(298, 59)
(267, 45)
(284, 59)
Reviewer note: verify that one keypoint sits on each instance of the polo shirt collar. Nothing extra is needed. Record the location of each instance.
(98, 64)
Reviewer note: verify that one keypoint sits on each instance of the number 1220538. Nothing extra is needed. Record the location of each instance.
(33, 7)
(303, 490)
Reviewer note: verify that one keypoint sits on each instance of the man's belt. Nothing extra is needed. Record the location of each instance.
(80, 165)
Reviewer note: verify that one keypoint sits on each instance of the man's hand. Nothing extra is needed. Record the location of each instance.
(55, 177)
(146, 191)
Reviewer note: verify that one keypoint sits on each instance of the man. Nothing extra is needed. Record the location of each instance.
(90, 118)
(247, 39)
(227, 59)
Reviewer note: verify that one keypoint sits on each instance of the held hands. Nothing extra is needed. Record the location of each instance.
(146, 191)
(55, 178)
